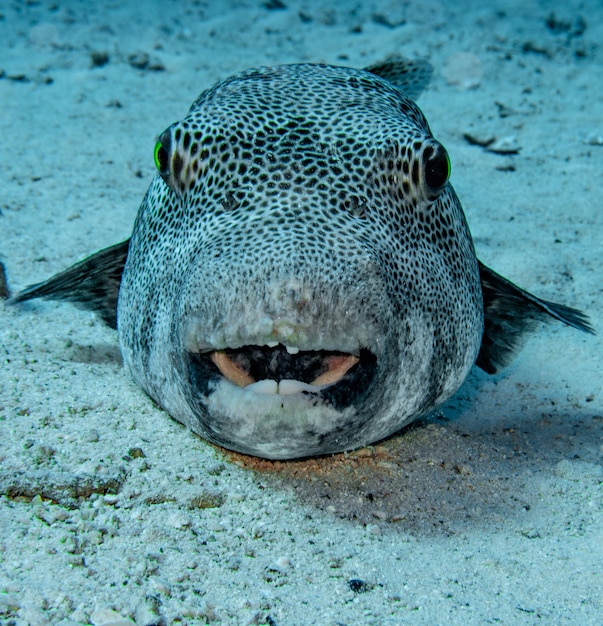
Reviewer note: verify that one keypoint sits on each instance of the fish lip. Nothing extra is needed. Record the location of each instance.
(251, 364)
(338, 378)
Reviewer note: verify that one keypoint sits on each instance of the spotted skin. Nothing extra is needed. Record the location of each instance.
(297, 195)
(302, 216)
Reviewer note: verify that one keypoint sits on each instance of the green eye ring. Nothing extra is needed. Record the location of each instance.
(161, 158)
(158, 156)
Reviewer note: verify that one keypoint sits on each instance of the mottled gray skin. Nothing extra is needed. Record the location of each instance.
(302, 218)
(300, 214)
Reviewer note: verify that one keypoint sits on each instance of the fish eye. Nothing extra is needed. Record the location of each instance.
(161, 157)
(436, 166)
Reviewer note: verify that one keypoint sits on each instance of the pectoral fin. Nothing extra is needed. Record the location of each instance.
(91, 284)
(510, 314)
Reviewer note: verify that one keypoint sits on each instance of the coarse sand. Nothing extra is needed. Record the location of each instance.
(490, 511)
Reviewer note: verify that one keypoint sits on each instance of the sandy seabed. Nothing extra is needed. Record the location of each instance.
(490, 511)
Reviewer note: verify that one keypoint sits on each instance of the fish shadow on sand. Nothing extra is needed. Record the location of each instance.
(438, 478)
(468, 465)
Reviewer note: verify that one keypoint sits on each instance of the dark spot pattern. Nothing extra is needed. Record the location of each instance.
(306, 204)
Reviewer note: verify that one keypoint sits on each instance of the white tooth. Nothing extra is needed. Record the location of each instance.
(289, 387)
(268, 387)
(292, 349)
(272, 344)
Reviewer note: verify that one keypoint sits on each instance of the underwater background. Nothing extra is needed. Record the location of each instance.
(489, 511)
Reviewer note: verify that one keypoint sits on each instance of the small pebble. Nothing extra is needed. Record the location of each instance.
(482, 139)
(393, 16)
(358, 585)
(108, 617)
(179, 520)
(530, 533)
(71, 544)
(136, 453)
(257, 531)
(79, 617)
(92, 436)
(505, 166)
(99, 58)
(160, 586)
(207, 500)
(505, 145)
(8, 604)
(283, 563)
(464, 70)
(146, 616)
(139, 60)
(594, 139)
(142, 61)
(95, 538)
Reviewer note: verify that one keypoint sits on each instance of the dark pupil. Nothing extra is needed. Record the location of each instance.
(162, 158)
(436, 167)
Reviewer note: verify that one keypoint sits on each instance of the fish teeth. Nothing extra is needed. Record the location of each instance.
(267, 387)
(292, 349)
(286, 387)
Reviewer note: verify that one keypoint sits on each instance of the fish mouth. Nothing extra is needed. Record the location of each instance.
(338, 377)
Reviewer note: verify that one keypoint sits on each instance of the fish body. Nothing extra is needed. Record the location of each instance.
(301, 279)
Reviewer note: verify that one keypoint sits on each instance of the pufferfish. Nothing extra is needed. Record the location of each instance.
(301, 279)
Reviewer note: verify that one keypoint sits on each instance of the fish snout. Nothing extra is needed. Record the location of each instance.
(288, 331)
(335, 303)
